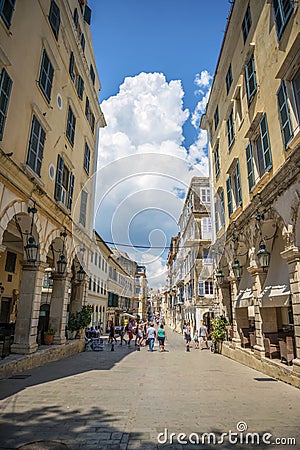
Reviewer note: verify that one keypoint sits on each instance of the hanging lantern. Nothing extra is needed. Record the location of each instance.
(81, 275)
(220, 277)
(237, 269)
(61, 265)
(31, 250)
(263, 255)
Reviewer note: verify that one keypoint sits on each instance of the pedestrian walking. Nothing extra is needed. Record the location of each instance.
(151, 334)
(140, 334)
(203, 335)
(196, 339)
(161, 335)
(122, 334)
(111, 336)
(129, 331)
(187, 337)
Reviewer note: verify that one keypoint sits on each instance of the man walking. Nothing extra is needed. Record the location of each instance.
(203, 335)
(151, 334)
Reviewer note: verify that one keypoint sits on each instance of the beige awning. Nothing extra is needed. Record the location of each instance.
(244, 296)
(276, 291)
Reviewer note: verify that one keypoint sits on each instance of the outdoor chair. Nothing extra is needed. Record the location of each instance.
(244, 335)
(270, 349)
(287, 350)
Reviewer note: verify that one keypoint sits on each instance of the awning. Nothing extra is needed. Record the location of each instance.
(128, 315)
(244, 296)
(276, 291)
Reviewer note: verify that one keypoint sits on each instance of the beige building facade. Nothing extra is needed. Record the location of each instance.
(49, 124)
(252, 119)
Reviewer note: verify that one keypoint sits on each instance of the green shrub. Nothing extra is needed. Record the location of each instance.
(80, 319)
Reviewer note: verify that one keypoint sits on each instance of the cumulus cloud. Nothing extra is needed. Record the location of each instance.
(143, 168)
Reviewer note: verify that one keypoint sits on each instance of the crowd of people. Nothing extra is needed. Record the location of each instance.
(143, 333)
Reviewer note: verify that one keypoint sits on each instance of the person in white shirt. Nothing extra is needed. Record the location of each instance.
(151, 334)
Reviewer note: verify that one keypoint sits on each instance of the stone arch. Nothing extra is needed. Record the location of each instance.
(13, 209)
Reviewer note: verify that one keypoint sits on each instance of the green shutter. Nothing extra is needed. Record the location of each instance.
(229, 196)
(238, 183)
(250, 167)
(265, 143)
(59, 176)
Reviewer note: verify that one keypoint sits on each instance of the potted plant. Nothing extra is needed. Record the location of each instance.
(49, 336)
(218, 333)
(80, 320)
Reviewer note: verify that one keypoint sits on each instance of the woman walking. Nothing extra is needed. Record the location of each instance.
(161, 336)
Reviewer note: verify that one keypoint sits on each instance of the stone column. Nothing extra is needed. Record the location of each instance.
(292, 257)
(236, 340)
(258, 277)
(25, 340)
(58, 307)
(2, 254)
(77, 296)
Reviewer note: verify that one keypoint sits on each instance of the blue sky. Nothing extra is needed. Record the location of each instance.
(155, 62)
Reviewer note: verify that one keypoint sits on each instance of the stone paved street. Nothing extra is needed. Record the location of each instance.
(123, 399)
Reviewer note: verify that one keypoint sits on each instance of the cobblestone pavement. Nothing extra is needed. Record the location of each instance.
(124, 399)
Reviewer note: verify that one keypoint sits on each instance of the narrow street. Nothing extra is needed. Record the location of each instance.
(124, 399)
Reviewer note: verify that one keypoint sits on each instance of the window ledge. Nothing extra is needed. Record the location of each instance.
(63, 207)
(32, 175)
(236, 212)
(261, 182)
(294, 142)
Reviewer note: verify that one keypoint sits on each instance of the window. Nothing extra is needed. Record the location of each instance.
(94, 284)
(64, 184)
(82, 41)
(219, 210)
(228, 79)
(90, 283)
(207, 259)
(36, 146)
(206, 228)
(96, 258)
(89, 115)
(234, 190)
(246, 23)
(205, 195)
(6, 11)
(216, 117)
(5, 89)
(92, 257)
(83, 208)
(250, 77)
(46, 76)
(230, 130)
(217, 161)
(99, 262)
(76, 78)
(282, 12)
(284, 113)
(205, 288)
(258, 153)
(71, 124)
(10, 264)
(75, 17)
(296, 89)
(87, 156)
(54, 18)
(92, 74)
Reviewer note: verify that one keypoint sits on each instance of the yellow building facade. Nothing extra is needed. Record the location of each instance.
(49, 123)
(252, 119)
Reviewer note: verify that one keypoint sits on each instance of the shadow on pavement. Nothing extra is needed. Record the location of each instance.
(73, 365)
(50, 427)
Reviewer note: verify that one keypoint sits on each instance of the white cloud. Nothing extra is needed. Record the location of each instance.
(144, 168)
(203, 80)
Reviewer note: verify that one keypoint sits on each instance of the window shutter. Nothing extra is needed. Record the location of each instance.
(229, 196)
(5, 89)
(222, 209)
(7, 9)
(83, 208)
(250, 168)
(217, 216)
(70, 193)
(201, 288)
(284, 114)
(71, 66)
(76, 17)
(80, 87)
(265, 143)
(87, 14)
(238, 182)
(59, 176)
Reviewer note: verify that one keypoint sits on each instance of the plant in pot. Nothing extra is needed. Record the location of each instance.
(218, 333)
(80, 320)
(49, 336)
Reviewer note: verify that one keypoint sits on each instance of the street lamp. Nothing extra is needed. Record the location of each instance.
(81, 275)
(61, 264)
(31, 248)
(220, 277)
(263, 255)
(237, 269)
